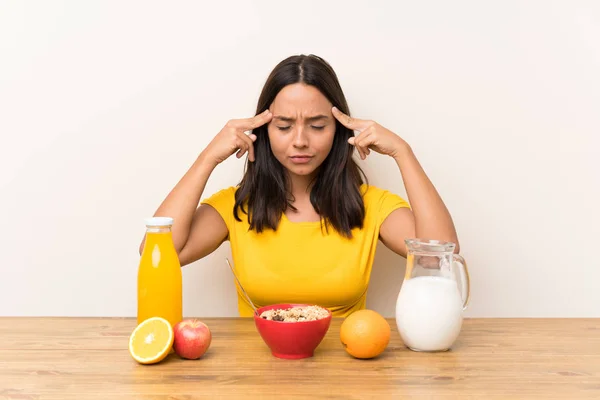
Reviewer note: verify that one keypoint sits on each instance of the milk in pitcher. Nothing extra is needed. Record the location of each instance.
(429, 313)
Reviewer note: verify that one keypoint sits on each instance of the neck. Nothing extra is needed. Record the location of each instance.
(301, 185)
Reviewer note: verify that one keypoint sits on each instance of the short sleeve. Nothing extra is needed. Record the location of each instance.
(388, 203)
(223, 202)
(380, 203)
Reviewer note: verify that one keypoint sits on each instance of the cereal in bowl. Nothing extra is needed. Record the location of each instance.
(295, 314)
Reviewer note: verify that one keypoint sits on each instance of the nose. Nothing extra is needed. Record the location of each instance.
(300, 138)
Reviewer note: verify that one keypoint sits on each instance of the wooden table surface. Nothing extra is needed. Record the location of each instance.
(88, 358)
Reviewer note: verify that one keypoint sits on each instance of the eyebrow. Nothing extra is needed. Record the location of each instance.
(310, 119)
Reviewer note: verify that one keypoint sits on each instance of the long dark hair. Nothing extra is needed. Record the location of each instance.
(335, 193)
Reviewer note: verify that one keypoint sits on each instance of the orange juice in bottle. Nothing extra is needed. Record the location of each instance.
(159, 274)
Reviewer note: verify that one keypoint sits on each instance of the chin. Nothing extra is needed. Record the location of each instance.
(301, 170)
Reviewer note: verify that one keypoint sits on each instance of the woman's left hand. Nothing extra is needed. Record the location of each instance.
(371, 136)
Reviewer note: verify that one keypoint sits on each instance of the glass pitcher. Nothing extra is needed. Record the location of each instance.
(430, 305)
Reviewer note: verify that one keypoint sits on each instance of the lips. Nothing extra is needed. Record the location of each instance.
(301, 159)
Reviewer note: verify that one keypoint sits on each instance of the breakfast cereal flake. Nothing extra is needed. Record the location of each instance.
(295, 314)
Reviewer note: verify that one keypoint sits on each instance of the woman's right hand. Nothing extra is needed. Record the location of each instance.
(233, 138)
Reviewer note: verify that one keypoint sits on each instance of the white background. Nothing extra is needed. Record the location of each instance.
(104, 106)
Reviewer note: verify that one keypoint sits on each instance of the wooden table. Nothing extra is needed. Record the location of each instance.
(87, 358)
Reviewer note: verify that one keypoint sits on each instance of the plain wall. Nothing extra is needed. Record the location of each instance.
(105, 105)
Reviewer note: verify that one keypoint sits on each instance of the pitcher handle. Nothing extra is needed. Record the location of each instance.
(464, 280)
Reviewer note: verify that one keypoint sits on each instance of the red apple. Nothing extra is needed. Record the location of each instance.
(192, 339)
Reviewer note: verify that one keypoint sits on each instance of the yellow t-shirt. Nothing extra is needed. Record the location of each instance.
(302, 263)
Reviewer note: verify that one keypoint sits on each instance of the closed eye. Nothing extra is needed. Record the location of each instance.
(284, 128)
(319, 128)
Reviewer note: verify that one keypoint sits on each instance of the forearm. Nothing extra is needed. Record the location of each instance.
(432, 219)
(182, 201)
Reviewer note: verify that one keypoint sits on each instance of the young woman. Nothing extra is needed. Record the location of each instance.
(302, 224)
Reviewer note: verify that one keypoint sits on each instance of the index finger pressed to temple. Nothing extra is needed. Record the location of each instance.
(345, 120)
(258, 120)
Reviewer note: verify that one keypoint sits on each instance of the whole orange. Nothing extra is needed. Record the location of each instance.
(365, 334)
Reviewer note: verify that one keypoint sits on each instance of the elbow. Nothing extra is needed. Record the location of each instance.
(457, 247)
(141, 249)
